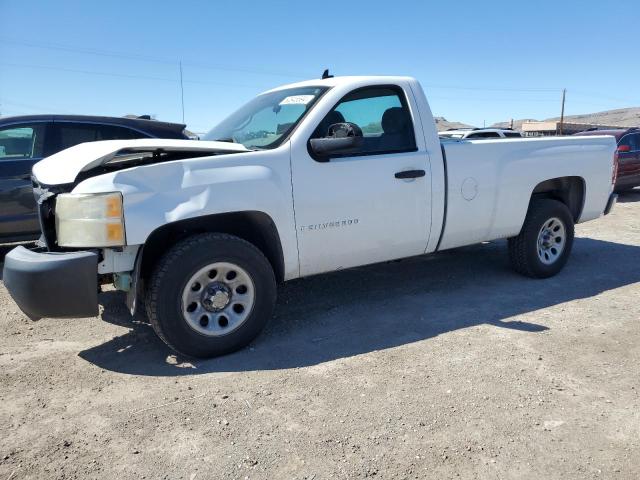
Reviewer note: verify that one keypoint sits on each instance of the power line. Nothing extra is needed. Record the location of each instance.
(492, 89)
(494, 99)
(31, 106)
(205, 65)
(606, 97)
(127, 75)
(147, 58)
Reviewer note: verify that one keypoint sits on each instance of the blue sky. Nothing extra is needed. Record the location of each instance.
(478, 61)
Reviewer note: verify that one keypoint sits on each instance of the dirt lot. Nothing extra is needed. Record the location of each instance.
(438, 367)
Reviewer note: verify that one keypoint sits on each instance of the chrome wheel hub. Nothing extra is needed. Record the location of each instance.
(551, 241)
(218, 299)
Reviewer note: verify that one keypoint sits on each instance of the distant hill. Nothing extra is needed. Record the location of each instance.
(625, 117)
(443, 124)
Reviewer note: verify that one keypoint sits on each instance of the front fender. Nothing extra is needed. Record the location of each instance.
(162, 193)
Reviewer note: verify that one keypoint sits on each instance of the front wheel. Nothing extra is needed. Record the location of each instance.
(543, 246)
(211, 294)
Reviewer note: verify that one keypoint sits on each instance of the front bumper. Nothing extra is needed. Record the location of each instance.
(613, 198)
(47, 284)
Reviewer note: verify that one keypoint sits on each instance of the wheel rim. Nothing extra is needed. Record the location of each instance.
(551, 241)
(218, 299)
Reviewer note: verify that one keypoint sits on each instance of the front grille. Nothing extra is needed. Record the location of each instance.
(46, 212)
(46, 201)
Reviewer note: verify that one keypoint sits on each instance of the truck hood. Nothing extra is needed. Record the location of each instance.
(63, 167)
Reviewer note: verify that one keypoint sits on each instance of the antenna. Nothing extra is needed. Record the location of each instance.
(181, 92)
(326, 75)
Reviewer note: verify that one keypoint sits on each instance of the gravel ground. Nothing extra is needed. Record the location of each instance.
(447, 366)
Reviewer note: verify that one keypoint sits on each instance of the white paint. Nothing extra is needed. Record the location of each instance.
(469, 189)
(390, 218)
(507, 170)
(63, 167)
(122, 260)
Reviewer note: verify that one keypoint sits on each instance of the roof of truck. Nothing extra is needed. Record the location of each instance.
(336, 81)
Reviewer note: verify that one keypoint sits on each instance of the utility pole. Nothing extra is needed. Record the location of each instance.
(181, 91)
(564, 94)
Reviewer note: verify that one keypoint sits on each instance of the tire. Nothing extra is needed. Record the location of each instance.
(198, 271)
(550, 222)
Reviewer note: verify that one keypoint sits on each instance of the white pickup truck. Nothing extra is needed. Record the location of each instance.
(306, 178)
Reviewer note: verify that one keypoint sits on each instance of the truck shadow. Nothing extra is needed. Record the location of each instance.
(629, 196)
(348, 313)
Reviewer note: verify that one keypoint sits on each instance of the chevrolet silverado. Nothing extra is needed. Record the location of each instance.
(306, 178)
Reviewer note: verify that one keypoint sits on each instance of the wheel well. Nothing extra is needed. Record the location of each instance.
(568, 190)
(254, 227)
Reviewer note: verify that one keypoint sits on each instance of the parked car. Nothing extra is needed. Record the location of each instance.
(25, 140)
(307, 178)
(479, 133)
(628, 154)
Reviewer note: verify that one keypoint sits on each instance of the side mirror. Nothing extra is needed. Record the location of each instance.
(624, 148)
(341, 138)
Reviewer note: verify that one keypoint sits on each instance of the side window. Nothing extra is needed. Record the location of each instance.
(382, 115)
(512, 135)
(70, 134)
(22, 141)
(114, 132)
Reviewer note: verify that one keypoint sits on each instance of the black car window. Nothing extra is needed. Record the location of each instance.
(114, 132)
(70, 134)
(22, 141)
(484, 135)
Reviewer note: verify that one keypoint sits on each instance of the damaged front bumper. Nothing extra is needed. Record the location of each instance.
(52, 284)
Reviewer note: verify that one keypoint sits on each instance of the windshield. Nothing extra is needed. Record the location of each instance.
(266, 120)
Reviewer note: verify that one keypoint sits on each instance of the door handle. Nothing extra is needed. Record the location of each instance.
(410, 174)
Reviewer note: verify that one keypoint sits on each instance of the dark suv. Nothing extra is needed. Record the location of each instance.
(27, 139)
(628, 155)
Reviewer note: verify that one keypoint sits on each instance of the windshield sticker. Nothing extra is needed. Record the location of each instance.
(297, 100)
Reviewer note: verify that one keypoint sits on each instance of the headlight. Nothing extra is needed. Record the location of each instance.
(90, 220)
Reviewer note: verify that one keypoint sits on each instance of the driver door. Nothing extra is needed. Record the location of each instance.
(372, 204)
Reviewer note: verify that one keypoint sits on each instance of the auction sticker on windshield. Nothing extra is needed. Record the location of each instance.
(297, 100)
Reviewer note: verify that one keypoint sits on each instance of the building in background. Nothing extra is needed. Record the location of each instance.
(552, 128)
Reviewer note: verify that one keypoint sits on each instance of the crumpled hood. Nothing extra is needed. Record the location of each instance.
(63, 167)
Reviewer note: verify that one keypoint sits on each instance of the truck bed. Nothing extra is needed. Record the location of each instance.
(490, 182)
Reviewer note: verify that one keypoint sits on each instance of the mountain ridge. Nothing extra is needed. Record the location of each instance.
(623, 117)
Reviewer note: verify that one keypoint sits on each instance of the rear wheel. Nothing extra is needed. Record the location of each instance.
(543, 246)
(211, 294)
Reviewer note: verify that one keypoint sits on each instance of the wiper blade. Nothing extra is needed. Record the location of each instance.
(227, 140)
